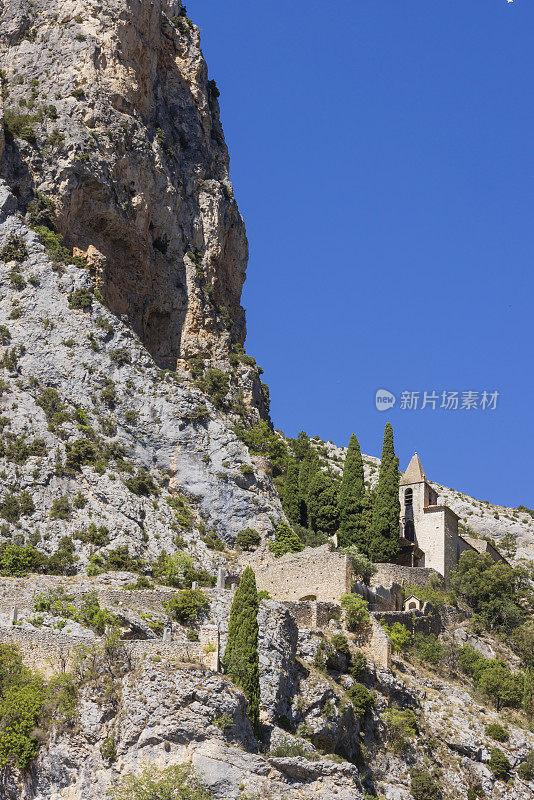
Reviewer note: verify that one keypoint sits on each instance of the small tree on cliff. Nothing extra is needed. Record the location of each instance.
(285, 540)
(352, 527)
(384, 542)
(240, 660)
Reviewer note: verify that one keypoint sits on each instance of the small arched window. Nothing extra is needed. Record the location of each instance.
(408, 497)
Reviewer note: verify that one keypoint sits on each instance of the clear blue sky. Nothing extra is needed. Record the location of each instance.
(382, 154)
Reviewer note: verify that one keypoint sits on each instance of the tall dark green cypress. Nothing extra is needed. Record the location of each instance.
(384, 543)
(352, 529)
(290, 496)
(323, 514)
(240, 660)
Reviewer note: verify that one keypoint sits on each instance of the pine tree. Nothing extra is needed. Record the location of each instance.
(240, 660)
(384, 542)
(285, 540)
(323, 503)
(291, 497)
(352, 530)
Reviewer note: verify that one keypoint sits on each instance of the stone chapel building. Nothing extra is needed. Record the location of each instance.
(428, 530)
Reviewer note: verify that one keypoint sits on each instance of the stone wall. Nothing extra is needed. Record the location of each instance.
(425, 621)
(312, 614)
(50, 653)
(314, 574)
(389, 574)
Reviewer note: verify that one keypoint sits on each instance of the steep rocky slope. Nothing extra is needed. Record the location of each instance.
(122, 131)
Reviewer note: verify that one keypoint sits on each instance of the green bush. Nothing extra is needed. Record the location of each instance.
(356, 614)
(108, 749)
(21, 126)
(142, 484)
(424, 786)
(339, 641)
(401, 727)
(361, 699)
(61, 508)
(285, 540)
(14, 249)
(28, 707)
(17, 561)
(248, 539)
(212, 541)
(121, 356)
(288, 748)
(97, 536)
(178, 782)
(428, 648)
(526, 769)
(499, 764)
(188, 605)
(357, 666)
(215, 383)
(496, 731)
(172, 570)
(81, 299)
(401, 638)
(93, 616)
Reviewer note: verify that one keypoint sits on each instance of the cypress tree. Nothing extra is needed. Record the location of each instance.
(285, 540)
(240, 660)
(291, 498)
(352, 529)
(323, 503)
(384, 542)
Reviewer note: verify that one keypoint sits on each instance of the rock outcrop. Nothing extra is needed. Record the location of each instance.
(110, 113)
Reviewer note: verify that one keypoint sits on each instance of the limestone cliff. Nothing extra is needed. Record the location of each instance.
(110, 113)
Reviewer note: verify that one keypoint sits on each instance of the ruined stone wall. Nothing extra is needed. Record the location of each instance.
(425, 621)
(314, 574)
(389, 574)
(50, 653)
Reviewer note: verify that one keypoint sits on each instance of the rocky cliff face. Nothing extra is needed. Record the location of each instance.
(120, 127)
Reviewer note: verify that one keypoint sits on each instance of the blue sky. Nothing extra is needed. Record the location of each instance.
(382, 157)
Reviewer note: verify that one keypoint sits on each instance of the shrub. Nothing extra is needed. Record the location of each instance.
(93, 616)
(5, 335)
(142, 484)
(496, 731)
(361, 699)
(20, 126)
(339, 641)
(401, 727)
(188, 605)
(17, 561)
(172, 569)
(424, 786)
(192, 635)
(81, 299)
(248, 539)
(121, 356)
(526, 769)
(362, 567)
(357, 665)
(212, 540)
(401, 638)
(61, 508)
(289, 748)
(108, 749)
(246, 469)
(98, 536)
(177, 782)
(499, 764)
(215, 383)
(356, 614)
(428, 648)
(14, 249)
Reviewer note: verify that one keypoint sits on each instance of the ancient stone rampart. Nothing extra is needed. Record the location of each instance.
(426, 621)
(389, 574)
(316, 573)
(50, 653)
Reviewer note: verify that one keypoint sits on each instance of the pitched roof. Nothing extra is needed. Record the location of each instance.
(415, 472)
